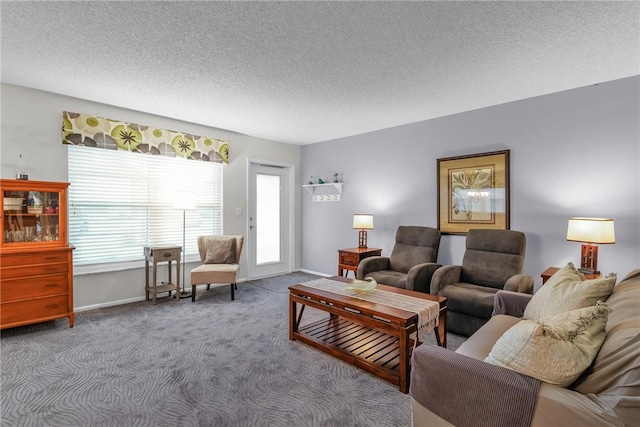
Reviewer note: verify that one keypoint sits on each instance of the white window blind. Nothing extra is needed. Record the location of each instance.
(120, 202)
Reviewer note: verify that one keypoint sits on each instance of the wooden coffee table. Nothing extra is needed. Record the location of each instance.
(372, 336)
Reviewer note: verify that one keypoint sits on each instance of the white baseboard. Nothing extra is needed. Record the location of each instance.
(108, 304)
(124, 301)
(141, 298)
(317, 273)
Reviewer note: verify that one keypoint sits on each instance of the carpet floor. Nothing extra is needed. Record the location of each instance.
(215, 362)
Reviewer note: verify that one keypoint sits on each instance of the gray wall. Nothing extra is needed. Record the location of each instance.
(573, 153)
(31, 127)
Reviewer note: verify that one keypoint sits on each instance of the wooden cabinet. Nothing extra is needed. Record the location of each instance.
(36, 263)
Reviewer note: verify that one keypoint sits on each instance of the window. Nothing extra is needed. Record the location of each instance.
(120, 202)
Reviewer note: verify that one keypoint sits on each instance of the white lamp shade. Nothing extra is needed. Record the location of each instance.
(591, 230)
(363, 221)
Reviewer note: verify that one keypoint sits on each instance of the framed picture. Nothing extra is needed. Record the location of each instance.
(473, 192)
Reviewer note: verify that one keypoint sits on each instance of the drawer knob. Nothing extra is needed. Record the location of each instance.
(167, 254)
(51, 306)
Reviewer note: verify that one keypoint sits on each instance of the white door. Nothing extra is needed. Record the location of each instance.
(269, 232)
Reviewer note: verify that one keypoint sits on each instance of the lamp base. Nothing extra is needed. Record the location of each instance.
(362, 239)
(589, 258)
(184, 294)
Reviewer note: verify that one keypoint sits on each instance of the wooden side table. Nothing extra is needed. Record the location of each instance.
(348, 259)
(154, 255)
(551, 270)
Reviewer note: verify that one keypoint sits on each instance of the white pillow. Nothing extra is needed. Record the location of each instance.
(556, 350)
(568, 290)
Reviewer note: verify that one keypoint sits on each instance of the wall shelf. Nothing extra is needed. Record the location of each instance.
(329, 192)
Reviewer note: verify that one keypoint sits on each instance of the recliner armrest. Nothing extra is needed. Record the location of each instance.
(419, 276)
(519, 283)
(510, 303)
(469, 392)
(370, 264)
(443, 276)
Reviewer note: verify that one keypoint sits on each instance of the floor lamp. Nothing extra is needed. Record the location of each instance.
(184, 201)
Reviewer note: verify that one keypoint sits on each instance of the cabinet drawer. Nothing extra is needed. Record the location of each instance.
(36, 310)
(12, 260)
(349, 259)
(33, 287)
(33, 270)
(164, 254)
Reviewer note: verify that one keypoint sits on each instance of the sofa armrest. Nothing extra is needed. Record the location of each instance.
(445, 275)
(374, 263)
(555, 407)
(468, 392)
(510, 303)
(419, 276)
(519, 283)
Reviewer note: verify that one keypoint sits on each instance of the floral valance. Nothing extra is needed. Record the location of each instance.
(91, 131)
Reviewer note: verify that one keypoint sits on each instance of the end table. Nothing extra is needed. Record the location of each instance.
(348, 259)
(551, 270)
(155, 255)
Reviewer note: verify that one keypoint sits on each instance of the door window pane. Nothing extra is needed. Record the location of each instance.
(267, 218)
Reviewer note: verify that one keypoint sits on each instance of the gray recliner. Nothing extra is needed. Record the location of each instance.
(493, 260)
(412, 260)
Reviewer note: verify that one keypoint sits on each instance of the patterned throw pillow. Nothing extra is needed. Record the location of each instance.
(220, 250)
(568, 290)
(555, 350)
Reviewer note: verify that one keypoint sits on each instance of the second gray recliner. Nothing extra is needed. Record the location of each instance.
(493, 260)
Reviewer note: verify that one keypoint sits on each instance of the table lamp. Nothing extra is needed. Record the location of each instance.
(590, 232)
(364, 222)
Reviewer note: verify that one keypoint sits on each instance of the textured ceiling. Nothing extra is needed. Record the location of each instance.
(303, 72)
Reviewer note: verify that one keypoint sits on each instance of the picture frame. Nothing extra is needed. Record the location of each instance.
(473, 192)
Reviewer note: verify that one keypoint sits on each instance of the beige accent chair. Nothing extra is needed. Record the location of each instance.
(220, 256)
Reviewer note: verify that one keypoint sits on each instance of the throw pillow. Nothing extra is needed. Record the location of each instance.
(220, 250)
(555, 350)
(568, 290)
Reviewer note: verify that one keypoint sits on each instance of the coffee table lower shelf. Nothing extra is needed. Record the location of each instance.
(367, 348)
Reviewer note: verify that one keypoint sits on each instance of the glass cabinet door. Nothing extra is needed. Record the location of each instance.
(32, 215)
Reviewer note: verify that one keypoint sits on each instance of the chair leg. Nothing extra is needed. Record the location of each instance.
(233, 296)
(236, 286)
(193, 293)
(208, 286)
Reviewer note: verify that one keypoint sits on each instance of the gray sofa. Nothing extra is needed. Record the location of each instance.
(606, 394)
(493, 260)
(412, 261)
